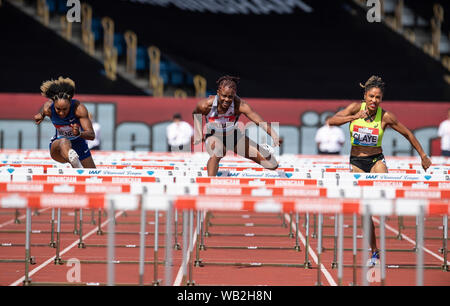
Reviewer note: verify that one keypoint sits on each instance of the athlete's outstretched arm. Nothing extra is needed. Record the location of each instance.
(246, 109)
(88, 131)
(44, 111)
(348, 114)
(197, 114)
(392, 121)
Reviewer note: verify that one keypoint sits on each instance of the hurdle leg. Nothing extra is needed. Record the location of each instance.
(307, 263)
(155, 251)
(354, 250)
(185, 244)
(111, 245)
(176, 244)
(365, 252)
(340, 248)
(291, 235)
(207, 218)
(191, 232)
(58, 260)
(75, 222)
(27, 280)
(142, 245)
(400, 227)
(168, 261)
(202, 236)
(16, 216)
(334, 263)
(297, 244)
(92, 217)
(198, 261)
(383, 250)
(52, 243)
(319, 252)
(283, 220)
(81, 244)
(419, 247)
(416, 232)
(314, 233)
(36, 212)
(99, 229)
(445, 267)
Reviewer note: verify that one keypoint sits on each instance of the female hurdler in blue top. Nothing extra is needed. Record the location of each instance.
(72, 123)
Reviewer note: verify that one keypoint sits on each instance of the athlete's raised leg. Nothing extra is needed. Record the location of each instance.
(61, 151)
(249, 149)
(216, 151)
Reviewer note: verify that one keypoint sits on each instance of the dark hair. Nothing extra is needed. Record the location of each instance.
(228, 81)
(374, 82)
(62, 88)
(177, 116)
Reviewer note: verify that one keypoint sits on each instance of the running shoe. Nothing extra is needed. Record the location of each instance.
(375, 257)
(267, 149)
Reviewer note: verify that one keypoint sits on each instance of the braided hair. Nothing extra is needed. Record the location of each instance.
(228, 81)
(62, 88)
(374, 82)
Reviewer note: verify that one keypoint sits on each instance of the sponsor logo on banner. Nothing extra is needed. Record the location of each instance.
(61, 179)
(64, 201)
(254, 174)
(289, 183)
(422, 194)
(13, 201)
(219, 205)
(222, 191)
(25, 187)
(300, 192)
(225, 182)
(103, 189)
(394, 184)
(125, 179)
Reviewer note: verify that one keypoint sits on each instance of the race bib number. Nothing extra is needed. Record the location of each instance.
(364, 136)
(65, 131)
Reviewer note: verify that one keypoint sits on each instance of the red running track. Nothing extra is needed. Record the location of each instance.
(228, 247)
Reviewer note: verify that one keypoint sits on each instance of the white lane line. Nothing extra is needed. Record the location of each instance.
(313, 255)
(411, 241)
(20, 218)
(50, 260)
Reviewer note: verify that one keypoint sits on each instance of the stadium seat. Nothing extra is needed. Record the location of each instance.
(62, 7)
(119, 43)
(97, 28)
(51, 5)
(142, 61)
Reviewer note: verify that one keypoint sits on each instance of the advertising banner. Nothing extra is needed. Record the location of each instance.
(139, 123)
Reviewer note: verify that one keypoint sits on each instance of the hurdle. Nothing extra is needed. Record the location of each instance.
(364, 207)
(256, 181)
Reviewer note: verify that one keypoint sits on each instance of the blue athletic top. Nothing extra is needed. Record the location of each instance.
(62, 125)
